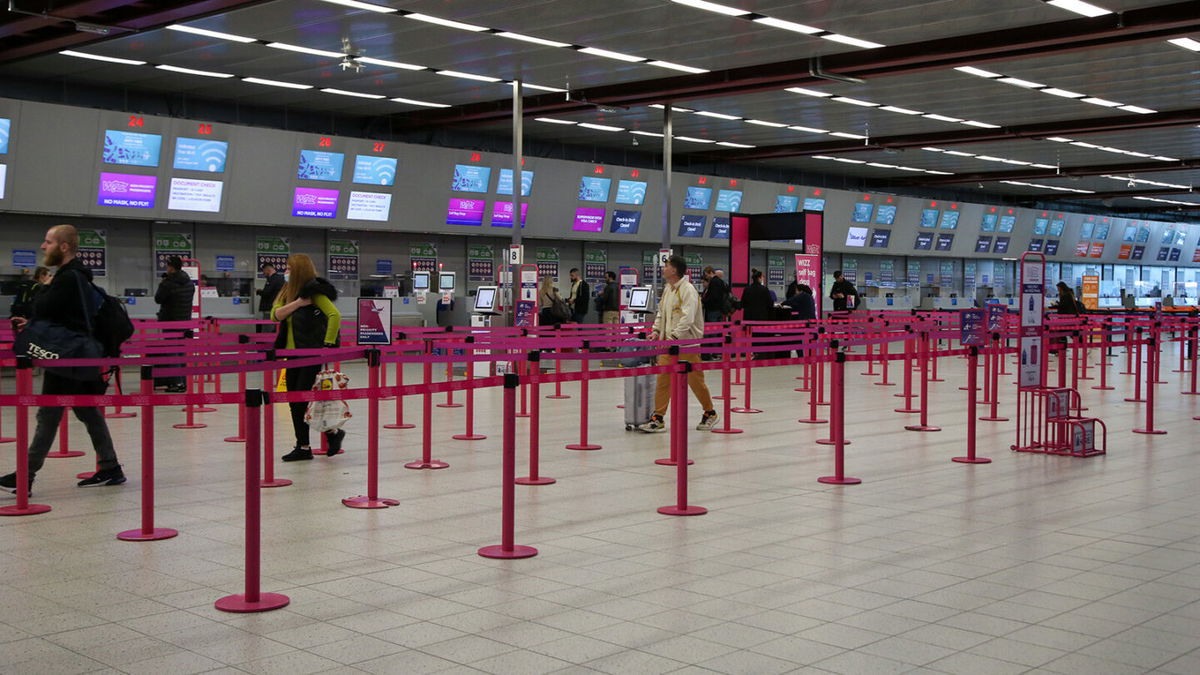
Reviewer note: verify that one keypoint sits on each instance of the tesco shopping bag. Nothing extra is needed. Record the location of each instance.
(323, 416)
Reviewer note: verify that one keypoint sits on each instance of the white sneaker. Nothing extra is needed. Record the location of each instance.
(656, 425)
(708, 421)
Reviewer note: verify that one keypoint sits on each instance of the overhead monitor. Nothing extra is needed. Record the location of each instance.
(420, 281)
(485, 298)
(856, 236)
(639, 299)
(446, 281)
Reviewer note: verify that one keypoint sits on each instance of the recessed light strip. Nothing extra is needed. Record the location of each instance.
(1055, 91)
(881, 165)
(781, 24)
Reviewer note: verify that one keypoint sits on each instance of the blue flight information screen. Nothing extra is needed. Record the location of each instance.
(786, 204)
(592, 189)
(372, 170)
(320, 165)
(729, 200)
(862, 212)
(697, 198)
(885, 214)
(631, 192)
(470, 178)
(196, 154)
(691, 225)
(131, 149)
(504, 183)
(5, 130)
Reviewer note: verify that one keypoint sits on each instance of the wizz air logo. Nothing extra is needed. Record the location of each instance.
(306, 200)
(114, 186)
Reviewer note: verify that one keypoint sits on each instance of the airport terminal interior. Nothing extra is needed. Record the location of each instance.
(964, 166)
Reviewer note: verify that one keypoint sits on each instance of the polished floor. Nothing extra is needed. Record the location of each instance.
(1032, 563)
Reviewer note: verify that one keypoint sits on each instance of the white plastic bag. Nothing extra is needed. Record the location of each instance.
(323, 416)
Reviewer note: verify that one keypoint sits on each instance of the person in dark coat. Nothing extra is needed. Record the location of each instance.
(802, 303)
(1067, 304)
(580, 298)
(174, 298)
(22, 305)
(266, 294)
(841, 293)
(609, 302)
(714, 300)
(756, 299)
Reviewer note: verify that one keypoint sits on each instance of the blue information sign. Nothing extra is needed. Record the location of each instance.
(224, 263)
(972, 329)
(24, 257)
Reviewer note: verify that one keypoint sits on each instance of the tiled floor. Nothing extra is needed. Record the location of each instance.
(1029, 564)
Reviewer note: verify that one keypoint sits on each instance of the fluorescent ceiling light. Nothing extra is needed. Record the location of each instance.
(843, 134)
(1165, 159)
(787, 25)
(1079, 7)
(106, 59)
(468, 76)
(909, 168)
(599, 127)
(612, 55)
(847, 160)
(691, 139)
(276, 83)
(1101, 101)
(1055, 91)
(855, 101)
(981, 125)
(534, 40)
(646, 133)
(852, 41)
(190, 71)
(211, 34)
(764, 123)
(939, 173)
(305, 50)
(1016, 162)
(1018, 82)
(810, 130)
(1138, 109)
(979, 72)
(1043, 166)
(343, 92)
(550, 120)
(809, 92)
(720, 116)
(941, 118)
(734, 145)
(959, 153)
(676, 66)
(388, 64)
(445, 22)
(355, 4)
(933, 149)
(543, 88)
(1059, 139)
(1186, 43)
(712, 7)
(902, 111)
(989, 158)
(427, 104)
(878, 165)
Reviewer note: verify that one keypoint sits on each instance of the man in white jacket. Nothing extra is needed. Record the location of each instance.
(679, 317)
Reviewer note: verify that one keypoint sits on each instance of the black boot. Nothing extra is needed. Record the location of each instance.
(298, 454)
(334, 442)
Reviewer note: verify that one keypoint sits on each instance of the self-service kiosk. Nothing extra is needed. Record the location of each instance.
(487, 304)
(641, 302)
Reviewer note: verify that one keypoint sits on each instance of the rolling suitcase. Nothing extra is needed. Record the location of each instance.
(639, 400)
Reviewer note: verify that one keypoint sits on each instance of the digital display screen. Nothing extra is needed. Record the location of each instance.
(1051, 247)
(944, 242)
(588, 219)
(593, 189)
(1130, 233)
(729, 200)
(631, 192)
(420, 281)
(373, 206)
(1162, 254)
(470, 178)
(1035, 245)
(697, 198)
(502, 214)
(862, 212)
(1180, 236)
(465, 211)
(445, 281)
(314, 203)
(1175, 252)
(924, 241)
(692, 225)
(504, 183)
(1040, 224)
(1085, 230)
(3, 176)
(320, 165)
(127, 190)
(194, 154)
(1007, 223)
(485, 298)
(788, 204)
(949, 220)
(885, 214)
(988, 224)
(720, 228)
(1056, 227)
(1138, 252)
(929, 217)
(131, 149)
(1168, 236)
(625, 222)
(983, 244)
(880, 238)
(814, 204)
(190, 194)
(856, 237)
(1001, 245)
(5, 130)
(639, 298)
(372, 170)
(1143, 234)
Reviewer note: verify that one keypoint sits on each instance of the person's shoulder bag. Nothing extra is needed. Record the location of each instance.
(46, 339)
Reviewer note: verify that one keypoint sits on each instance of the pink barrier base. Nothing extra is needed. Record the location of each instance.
(516, 552)
(6, 439)
(432, 464)
(449, 405)
(29, 510)
(830, 441)
(235, 439)
(922, 427)
(274, 482)
(154, 534)
(971, 460)
(535, 481)
(196, 425)
(112, 416)
(239, 605)
(690, 510)
(582, 446)
(835, 480)
(468, 437)
(667, 461)
(362, 502)
(402, 425)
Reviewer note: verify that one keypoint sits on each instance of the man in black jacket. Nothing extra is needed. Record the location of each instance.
(174, 298)
(843, 293)
(267, 294)
(580, 298)
(62, 301)
(609, 302)
(714, 299)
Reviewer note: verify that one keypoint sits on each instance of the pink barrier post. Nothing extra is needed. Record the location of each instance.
(747, 408)
(675, 428)
(147, 532)
(268, 434)
(994, 385)
(933, 358)
(837, 412)
(507, 550)
(190, 420)
(558, 383)
(24, 388)
(585, 367)
(870, 361)
(450, 378)
(372, 500)
(116, 414)
(469, 433)
(523, 369)
(988, 358)
(1088, 338)
(3, 438)
(1191, 345)
(253, 600)
(1062, 364)
(64, 440)
(833, 438)
(883, 356)
(399, 423)
(1004, 361)
(1105, 338)
(427, 461)
(813, 367)
(679, 445)
(241, 434)
(973, 364)
(924, 410)
(535, 407)
(725, 391)
(200, 407)
(1156, 344)
(907, 395)
(1129, 347)
(1137, 375)
(1151, 368)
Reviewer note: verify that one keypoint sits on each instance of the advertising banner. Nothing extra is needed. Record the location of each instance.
(423, 257)
(808, 270)
(1091, 291)
(343, 256)
(93, 251)
(595, 264)
(972, 330)
(1033, 286)
(547, 261)
(481, 263)
(273, 250)
(167, 245)
(374, 321)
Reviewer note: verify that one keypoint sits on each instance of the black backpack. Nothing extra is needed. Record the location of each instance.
(110, 322)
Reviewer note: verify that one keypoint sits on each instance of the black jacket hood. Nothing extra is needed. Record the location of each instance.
(319, 286)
